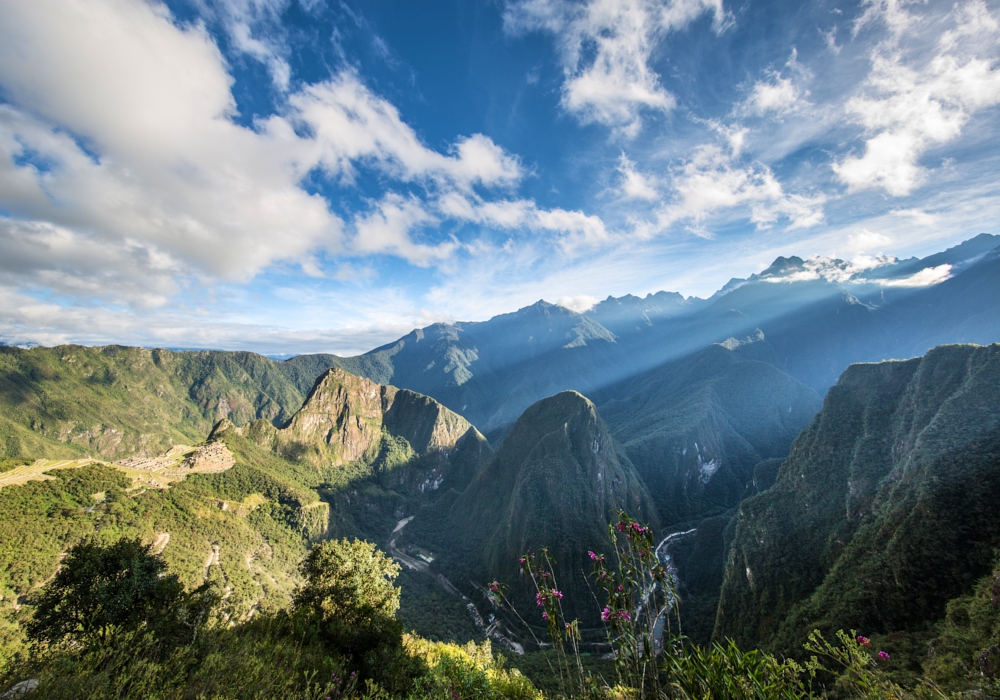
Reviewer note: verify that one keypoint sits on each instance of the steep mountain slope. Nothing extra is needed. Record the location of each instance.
(884, 510)
(557, 479)
(695, 428)
(116, 401)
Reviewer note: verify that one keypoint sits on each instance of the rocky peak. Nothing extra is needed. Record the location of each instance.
(344, 418)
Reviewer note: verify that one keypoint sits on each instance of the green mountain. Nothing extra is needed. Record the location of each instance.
(557, 479)
(404, 448)
(112, 402)
(884, 510)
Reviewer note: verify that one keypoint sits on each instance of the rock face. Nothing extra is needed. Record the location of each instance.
(350, 419)
(884, 510)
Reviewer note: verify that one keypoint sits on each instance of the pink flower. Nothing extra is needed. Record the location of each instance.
(624, 615)
(521, 560)
(883, 656)
(540, 598)
(495, 587)
(593, 556)
(545, 616)
(863, 641)
(557, 594)
(620, 588)
(606, 614)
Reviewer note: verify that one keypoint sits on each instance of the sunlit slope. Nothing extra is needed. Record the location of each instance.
(115, 401)
(557, 479)
(695, 428)
(885, 509)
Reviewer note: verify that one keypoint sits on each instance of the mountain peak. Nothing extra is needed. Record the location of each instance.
(783, 266)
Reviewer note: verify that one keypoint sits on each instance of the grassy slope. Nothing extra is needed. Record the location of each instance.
(884, 510)
(115, 401)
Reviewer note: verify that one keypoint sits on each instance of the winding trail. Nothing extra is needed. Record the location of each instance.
(491, 630)
(160, 543)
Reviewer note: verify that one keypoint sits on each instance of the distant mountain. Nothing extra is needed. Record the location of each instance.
(490, 372)
(816, 316)
(557, 480)
(884, 510)
(696, 427)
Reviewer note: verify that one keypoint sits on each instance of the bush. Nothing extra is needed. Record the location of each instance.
(100, 591)
(350, 598)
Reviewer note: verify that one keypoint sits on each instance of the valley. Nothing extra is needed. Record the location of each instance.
(796, 477)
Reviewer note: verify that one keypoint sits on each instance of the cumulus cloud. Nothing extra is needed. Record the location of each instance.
(910, 105)
(635, 185)
(119, 142)
(605, 47)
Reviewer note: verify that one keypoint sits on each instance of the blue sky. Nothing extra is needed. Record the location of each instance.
(301, 176)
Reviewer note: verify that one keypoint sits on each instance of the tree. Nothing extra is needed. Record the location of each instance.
(100, 590)
(349, 594)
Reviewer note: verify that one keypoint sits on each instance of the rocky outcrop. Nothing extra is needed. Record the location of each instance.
(347, 419)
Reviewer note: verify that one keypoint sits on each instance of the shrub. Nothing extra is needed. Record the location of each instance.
(101, 590)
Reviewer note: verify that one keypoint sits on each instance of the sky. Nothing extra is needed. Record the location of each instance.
(292, 176)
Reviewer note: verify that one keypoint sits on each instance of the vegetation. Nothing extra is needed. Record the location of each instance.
(558, 477)
(883, 513)
(99, 591)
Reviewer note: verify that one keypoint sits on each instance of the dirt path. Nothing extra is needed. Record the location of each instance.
(160, 543)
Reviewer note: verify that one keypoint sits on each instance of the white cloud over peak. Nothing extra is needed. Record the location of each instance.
(605, 47)
(579, 303)
(910, 104)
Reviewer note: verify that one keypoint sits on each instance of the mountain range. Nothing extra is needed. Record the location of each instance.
(809, 488)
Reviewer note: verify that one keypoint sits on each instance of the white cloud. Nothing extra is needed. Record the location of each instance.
(579, 303)
(119, 139)
(714, 180)
(778, 95)
(866, 241)
(924, 278)
(254, 29)
(910, 107)
(634, 184)
(605, 47)
(388, 230)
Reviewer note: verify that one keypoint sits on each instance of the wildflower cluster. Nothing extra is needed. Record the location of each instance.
(640, 597)
(859, 670)
(342, 687)
(539, 568)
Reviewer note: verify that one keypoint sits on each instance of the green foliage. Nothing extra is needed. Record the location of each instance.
(468, 671)
(114, 401)
(99, 591)
(726, 672)
(350, 597)
(884, 511)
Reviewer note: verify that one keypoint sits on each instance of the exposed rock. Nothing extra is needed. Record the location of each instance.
(345, 418)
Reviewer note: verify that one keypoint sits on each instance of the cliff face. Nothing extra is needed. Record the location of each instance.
(351, 419)
(884, 510)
